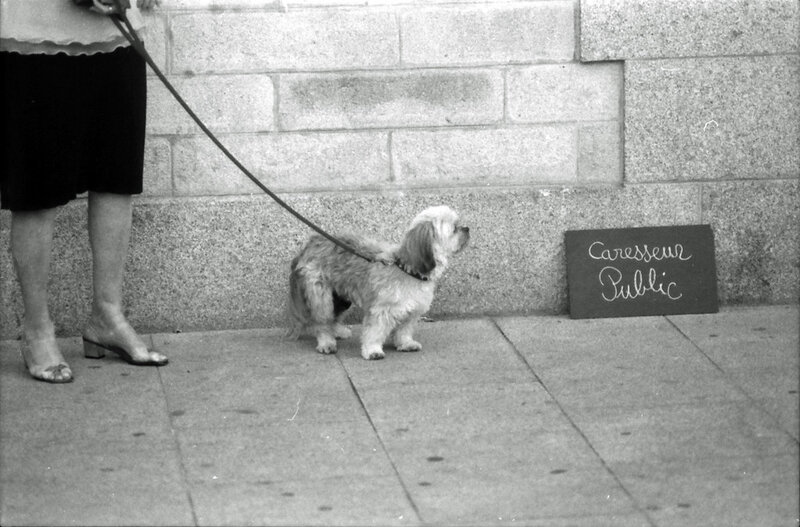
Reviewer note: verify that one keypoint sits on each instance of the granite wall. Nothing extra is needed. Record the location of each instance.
(529, 117)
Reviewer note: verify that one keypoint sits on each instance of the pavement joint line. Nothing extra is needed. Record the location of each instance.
(638, 507)
(695, 346)
(775, 421)
(383, 445)
(177, 445)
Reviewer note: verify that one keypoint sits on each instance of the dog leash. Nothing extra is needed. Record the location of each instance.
(116, 11)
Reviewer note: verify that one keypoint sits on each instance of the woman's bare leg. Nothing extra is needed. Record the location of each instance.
(109, 235)
(31, 246)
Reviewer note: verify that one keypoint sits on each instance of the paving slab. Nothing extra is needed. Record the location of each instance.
(758, 350)
(453, 497)
(92, 481)
(690, 433)
(476, 407)
(721, 491)
(124, 400)
(253, 378)
(346, 501)
(287, 452)
(91, 452)
(458, 352)
(641, 361)
(746, 337)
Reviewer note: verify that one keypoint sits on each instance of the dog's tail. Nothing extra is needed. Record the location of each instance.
(299, 314)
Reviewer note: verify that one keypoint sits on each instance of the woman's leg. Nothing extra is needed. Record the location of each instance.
(109, 235)
(31, 246)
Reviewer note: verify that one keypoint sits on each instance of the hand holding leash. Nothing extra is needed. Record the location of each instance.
(104, 7)
(114, 7)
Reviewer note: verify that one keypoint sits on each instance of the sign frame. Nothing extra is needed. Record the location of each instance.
(641, 271)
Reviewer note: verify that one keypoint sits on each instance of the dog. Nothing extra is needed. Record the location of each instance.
(392, 292)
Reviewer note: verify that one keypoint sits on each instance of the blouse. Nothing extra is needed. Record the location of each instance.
(59, 26)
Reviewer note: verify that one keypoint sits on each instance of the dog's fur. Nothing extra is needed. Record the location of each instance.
(326, 280)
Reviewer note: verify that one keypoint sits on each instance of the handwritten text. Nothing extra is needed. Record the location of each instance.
(597, 251)
(611, 279)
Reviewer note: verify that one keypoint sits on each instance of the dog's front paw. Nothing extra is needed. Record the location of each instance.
(409, 345)
(326, 349)
(326, 343)
(326, 346)
(372, 353)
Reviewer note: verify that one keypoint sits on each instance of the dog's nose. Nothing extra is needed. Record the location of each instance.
(465, 229)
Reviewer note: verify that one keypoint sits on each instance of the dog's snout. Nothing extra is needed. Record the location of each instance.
(465, 230)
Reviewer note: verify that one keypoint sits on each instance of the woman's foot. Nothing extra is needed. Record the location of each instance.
(113, 333)
(43, 359)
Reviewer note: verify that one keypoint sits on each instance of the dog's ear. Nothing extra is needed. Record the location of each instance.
(416, 251)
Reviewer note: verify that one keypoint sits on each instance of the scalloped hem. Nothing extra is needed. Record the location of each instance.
(51, 27)
(51, 48)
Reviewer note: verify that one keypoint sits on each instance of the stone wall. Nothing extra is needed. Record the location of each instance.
(528, 117)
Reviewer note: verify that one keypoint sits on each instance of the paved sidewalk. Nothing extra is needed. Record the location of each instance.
(542, 421)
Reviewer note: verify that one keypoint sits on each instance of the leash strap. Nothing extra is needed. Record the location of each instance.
(117, 14)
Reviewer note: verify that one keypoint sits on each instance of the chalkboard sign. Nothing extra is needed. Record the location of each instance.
(641, 271)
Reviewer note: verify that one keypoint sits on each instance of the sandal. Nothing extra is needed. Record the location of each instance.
(56, 374)
(95, 350)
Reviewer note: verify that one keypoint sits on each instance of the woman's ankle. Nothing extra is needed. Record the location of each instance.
(38, 329)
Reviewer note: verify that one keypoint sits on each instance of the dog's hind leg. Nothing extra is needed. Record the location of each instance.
(340, 307)
(321, 311)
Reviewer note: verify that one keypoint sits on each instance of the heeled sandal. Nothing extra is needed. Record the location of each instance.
(57, 374)
(95, 350)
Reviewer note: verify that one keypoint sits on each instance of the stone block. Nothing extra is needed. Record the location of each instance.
(564, 92)
(11, 310)
(157, 167)
(517, 33)
(757, 235)
(612, 30)
(712, 119)
(417, 98)
(286, 162)
(214, 263)
(154, 36)
(248, 41)
(225, 103)
(518, 156)
(70, 274)
(599, 153)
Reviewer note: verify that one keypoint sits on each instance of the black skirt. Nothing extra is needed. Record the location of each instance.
(70, 124)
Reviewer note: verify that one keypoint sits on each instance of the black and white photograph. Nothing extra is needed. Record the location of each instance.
(379, 263)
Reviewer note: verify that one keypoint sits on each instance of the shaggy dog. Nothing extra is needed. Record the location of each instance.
(392, 292)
